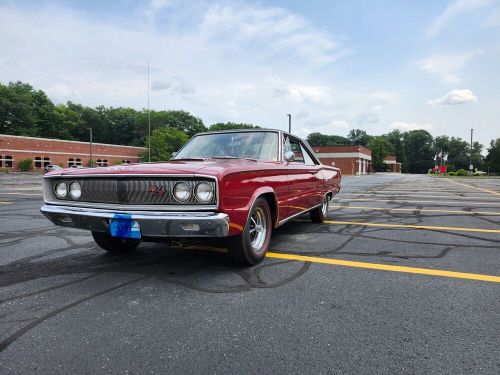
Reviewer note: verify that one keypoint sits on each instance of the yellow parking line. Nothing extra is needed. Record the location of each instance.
(458, 198)
(473, 187)
(386, 267)
(410, 226)
(6, 202)
(436, 202)
(417, 209)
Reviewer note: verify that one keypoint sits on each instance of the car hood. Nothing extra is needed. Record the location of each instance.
(216, 168)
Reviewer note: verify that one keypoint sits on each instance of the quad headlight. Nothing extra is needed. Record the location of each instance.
(182, 191)
(204, 192)
(75, 190)
(61, 190)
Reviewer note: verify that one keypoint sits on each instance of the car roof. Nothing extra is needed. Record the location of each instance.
(246, 130)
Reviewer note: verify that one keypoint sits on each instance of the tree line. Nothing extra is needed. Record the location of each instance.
(416, 149)
(29, 112)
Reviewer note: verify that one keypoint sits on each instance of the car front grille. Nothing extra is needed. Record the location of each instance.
(136, 191)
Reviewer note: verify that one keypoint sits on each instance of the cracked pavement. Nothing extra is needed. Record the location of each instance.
(68, 307)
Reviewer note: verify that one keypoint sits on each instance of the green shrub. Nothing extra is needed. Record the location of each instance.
(461, 172)
(61, 164)
(452, 173)
(117, 162)
(26, 165)
(6, 171)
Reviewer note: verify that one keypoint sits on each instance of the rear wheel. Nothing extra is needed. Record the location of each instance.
(114, 245)
(320, 214)
(250, 247)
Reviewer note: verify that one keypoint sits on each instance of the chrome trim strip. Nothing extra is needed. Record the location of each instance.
(297, 214)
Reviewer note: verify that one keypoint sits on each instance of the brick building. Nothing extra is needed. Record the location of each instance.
(352, 160)
(45, 151)
(391, 164)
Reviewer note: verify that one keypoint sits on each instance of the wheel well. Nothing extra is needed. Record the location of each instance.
(329, 195)
(273, 206)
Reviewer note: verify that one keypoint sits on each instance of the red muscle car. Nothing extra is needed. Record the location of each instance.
(235, 184)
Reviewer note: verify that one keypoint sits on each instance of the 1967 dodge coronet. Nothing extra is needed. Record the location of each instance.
(234, 184)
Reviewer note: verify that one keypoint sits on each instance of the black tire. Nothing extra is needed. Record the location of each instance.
(114, 245)
(250, 247)
(320, 214)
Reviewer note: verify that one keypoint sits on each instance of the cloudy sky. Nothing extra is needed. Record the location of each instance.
(334, 65)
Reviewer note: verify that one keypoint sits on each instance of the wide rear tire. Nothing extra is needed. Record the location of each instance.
(114, 245)
(320, 214)
(250, 247)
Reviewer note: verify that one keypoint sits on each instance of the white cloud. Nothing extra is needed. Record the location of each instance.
(493, 19)
(453, 10)
(454, 97)
(447, 66)
(406, 126)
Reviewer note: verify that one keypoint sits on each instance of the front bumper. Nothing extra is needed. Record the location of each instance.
(152, 223)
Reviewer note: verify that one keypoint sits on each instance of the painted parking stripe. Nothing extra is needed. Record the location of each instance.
(453, 197)
(6, 202)
(435, 202)
(410, 226)
(473, 187)
(485, 213)
(386, 267)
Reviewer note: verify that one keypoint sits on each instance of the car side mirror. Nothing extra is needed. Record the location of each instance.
(289, 156)
(173, 154)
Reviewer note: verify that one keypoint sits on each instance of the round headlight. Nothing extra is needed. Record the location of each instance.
(182, 192)
(75, 190)
(61, 190)
(204, 192)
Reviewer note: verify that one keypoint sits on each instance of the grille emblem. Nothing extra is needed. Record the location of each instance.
(157, 191)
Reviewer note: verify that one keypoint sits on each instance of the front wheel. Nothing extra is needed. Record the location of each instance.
(320, 214)
(250, 247)
(114, 245)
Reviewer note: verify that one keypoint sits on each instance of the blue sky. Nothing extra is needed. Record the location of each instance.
(334, 65)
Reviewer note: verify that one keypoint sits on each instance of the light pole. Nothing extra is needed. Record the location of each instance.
(470, 155)
(90, 145)
(149, 124)
(289, 123)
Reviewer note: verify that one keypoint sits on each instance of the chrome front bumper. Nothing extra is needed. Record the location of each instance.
(152, 223)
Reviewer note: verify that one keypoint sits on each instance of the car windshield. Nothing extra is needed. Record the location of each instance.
(234, 145)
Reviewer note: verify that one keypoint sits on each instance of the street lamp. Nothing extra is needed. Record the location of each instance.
(471, 167)
(90, 144)
(289, 123)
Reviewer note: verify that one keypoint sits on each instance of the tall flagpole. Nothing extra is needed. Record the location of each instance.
(149, 124)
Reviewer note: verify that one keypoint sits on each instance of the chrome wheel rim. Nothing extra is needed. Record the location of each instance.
(324, 207)
(258, 229)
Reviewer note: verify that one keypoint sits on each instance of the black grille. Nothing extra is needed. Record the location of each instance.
(137, 191)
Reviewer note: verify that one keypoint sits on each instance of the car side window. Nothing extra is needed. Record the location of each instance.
(286, 145)
(308, 160)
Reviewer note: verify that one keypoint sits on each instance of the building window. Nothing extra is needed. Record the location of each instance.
(7, 161)
(78, 162)
(41, 161)
(125, 161)
(102, 163)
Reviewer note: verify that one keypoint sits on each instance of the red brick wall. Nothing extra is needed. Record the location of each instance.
(338, 149)
(345, 165)
(61, 151)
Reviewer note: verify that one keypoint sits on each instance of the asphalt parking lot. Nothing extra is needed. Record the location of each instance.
(404, 278)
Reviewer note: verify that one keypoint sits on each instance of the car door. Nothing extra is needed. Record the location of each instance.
(302, 177)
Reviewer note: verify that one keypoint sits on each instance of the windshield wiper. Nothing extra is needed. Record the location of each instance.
(200, 159)
(231, 157)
